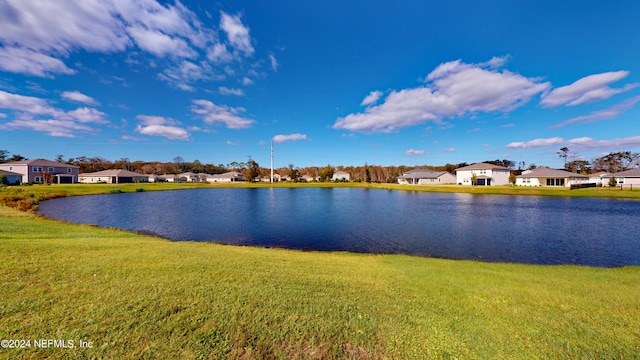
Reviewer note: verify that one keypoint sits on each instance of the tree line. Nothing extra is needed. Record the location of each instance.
(612, 162)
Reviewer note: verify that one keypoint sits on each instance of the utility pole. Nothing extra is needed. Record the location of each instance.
(271, 161)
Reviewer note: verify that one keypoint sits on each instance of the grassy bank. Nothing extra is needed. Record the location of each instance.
(136, 297)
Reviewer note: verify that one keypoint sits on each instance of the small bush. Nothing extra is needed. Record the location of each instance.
(139, 190)
(115, 191)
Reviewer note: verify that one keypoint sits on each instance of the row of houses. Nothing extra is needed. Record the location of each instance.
(481, 174)
(486, 174)
(40, 171)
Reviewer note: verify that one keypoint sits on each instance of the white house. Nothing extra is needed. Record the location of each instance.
(114, 176)
(629, 178)
(231, 176)
(426, 177)
(341, 176)
(41, 171)
(486, 174)
(550, 177)
(598, 178)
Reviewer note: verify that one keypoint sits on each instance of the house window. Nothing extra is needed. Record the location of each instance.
(10, 168)
(68, 170)
(555, 182)
(38, 179)
(51, 169)
(620, 180)
(37, 168)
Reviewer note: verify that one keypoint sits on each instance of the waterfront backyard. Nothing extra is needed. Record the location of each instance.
(136, 296)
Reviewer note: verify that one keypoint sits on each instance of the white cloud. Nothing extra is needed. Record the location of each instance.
(37, 37)
(289, 137)
(79, 97)
(219, 54)
(237, 33)
(536, 143)
(449, 150)
(372, 98)
(246, 81)
(161, 126)
(605, 114)
(212, 113)
(413, 152)
(588, 89)
(88, 115)
(453, 89)
(223, 90)
(37, 114)
(580, 143)
(185, 73)
(131, 138)
(30, 62)
(160, 44)
(274, 62)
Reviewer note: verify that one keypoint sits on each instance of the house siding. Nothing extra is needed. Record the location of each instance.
(34, 171)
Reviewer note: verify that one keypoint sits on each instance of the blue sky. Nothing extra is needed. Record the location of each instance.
(331, 82)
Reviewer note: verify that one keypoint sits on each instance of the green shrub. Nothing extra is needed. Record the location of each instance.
(115, 191)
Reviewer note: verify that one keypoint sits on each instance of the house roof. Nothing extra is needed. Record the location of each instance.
(598, 174)
(227, 175)
(483, 166)
(627, 173)
(422, 174)
(114, 172)
(40, 162)
(549, 173)
(5, 172)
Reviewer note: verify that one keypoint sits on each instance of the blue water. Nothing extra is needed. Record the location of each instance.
(521, 229)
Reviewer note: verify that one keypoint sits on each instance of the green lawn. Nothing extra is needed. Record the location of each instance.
(135, 297)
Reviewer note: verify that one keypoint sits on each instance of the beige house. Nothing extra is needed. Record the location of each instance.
(231, 176)
(426, 177)
(550, 177)
(40, 171)
(486, 174)
(112, 177)
(629, 178)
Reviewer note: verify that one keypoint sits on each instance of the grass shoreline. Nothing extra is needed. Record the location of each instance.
(135, 296)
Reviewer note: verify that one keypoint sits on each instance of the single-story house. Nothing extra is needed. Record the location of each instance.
(341, 176)
(308, 178)
(231, 176)
(12, 177)
(597, 178)
(628, 178)
(189, 177)
(276, 178)
(550, 177)
(113, 176)
(426, 177)
(41, 171)
(166, 178)
(486, 174)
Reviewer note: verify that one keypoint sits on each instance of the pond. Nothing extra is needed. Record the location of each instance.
(521, 229)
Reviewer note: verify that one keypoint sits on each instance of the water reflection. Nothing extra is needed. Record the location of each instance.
(539, 230)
